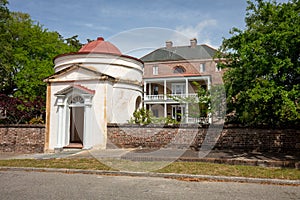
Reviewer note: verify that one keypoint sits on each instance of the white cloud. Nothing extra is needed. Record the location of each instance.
(199, 31)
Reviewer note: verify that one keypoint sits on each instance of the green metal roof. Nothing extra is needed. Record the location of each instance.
(180, 53)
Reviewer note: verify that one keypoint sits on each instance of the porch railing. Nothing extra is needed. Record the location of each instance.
(155, 97)
(168, 96)
(198, 120)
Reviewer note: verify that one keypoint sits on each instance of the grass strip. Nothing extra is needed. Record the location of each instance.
(83, 163)
(175, 167)
(231, 170)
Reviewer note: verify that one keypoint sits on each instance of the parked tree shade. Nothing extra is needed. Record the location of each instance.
(263, 80)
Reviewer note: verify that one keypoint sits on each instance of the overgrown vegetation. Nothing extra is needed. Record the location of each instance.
(17, 111)
(263, 61)
(25, 60)
(143, 116)
(199, 105)
(207, 101)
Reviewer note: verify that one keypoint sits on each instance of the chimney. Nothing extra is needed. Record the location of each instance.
(169, 44)
(193, 42)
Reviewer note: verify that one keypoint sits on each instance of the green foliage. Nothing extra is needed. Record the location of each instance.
(164, 120)
(198, 105)
(141, 116)
(26, 59)
(37, 120)
(17, 111)
(263, 61)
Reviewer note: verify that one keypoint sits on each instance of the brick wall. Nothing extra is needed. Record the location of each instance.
(248, 139)
(22, 138)
(31, 138)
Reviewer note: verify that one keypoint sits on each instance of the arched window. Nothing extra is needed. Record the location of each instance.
(138, 103)
(76, 100)
(178, 70)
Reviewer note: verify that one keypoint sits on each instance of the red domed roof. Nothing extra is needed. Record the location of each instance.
(100, 46)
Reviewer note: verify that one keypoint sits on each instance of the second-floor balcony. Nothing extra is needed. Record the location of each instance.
(173, 89)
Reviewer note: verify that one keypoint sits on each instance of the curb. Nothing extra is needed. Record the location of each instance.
(186, 177)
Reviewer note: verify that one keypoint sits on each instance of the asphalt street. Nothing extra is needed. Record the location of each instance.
(42, 185)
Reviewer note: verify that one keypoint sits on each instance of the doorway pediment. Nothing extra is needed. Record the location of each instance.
(75, 88)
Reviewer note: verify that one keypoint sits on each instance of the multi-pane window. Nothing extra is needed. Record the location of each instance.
(155, 70)
(178, 88)
(202, 67)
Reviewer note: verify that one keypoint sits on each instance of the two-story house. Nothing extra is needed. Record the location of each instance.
(171, 71)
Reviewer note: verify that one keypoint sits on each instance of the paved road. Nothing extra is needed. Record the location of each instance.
(41, 185)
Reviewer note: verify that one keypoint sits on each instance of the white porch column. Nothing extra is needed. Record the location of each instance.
(186, 104)
(60, 127)
(186, 87)
(87, 132)
(208, 87)
(145, 94)
(150, 89)
(187, 113)
(165, 89)
(208, 83)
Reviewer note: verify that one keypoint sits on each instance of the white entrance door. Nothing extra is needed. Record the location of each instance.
(178, 112)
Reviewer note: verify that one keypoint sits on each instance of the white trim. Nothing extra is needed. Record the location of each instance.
(63, 134)
(161, 79)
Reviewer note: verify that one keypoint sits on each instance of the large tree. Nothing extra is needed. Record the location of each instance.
(28, 55)
(4, 16)
(26, 58)
(263, 62)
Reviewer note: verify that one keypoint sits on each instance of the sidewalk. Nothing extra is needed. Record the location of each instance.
(214, 156)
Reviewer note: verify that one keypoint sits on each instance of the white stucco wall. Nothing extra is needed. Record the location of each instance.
(124, 101)
(116, 66)
(97, 119)
(113, 101)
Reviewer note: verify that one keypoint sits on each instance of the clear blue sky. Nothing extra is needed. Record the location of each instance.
(207, 20)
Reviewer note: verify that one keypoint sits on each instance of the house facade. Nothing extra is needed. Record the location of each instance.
(177, 71)
(99, 85)
(90, 88)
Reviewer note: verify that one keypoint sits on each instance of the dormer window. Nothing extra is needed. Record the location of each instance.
(178, 70)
